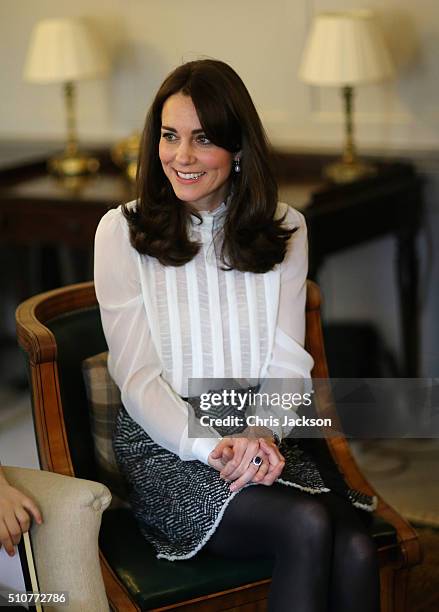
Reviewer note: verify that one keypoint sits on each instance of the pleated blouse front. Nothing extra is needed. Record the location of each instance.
(165, 325)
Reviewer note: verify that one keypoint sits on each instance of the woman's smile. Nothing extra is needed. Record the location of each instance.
(189, 177)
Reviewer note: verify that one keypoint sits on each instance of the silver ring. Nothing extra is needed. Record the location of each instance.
(256, 460)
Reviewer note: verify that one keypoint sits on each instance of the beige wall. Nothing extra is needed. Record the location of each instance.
(262, 40)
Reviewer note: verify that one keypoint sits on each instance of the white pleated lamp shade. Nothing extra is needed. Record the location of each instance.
(63, 50)
(345, 49)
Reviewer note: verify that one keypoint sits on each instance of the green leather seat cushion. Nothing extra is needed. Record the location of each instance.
(154, 582)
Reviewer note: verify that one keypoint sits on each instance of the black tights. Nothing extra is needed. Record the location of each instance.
(325, 559)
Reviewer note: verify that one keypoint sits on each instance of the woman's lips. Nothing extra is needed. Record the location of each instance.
(187, 178)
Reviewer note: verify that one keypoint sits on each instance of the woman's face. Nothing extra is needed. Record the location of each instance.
(197, 169)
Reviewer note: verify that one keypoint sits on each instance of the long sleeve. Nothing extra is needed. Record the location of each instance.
(134, 363)
(290, 365)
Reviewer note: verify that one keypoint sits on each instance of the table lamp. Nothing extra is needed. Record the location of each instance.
(64, 51)
(345, 49)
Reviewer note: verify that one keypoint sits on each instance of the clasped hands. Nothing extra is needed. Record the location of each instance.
(233, 455)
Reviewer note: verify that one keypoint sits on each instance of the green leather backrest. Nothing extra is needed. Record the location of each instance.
(78, 335)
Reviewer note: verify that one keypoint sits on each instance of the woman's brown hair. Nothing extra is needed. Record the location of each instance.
(253, 240)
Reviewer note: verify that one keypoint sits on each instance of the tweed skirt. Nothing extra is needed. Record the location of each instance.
(179, 504)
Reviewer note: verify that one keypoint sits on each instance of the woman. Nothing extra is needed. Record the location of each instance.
(203, 277)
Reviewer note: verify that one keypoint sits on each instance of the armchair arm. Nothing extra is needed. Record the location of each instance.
(66, 545)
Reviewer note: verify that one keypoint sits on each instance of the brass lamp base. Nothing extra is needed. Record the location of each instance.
(347, 172)
(349, 168)
(68, 165)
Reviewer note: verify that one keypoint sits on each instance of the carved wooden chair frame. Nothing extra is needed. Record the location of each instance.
(40, 345)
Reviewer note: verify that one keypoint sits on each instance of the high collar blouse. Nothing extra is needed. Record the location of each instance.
(166, 325)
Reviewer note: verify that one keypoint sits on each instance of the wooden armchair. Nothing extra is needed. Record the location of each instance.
(58, 330)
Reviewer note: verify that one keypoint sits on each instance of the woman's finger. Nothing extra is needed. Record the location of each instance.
(238, 447)
(215, 457)
(31, 507)
(277, 462)
(273, 474)
(272, 451)
(227, 455)
(23, 518)
(13, 527)
(262, 472)
(5, 539)
(245, 478)
(247, 449)
(217, 452)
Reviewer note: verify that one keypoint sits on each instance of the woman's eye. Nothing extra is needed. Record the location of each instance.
(203, 140)
(169, 136)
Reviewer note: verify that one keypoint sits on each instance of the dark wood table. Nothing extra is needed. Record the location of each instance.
(36, 210)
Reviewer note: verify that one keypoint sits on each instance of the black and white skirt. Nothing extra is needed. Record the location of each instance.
(179, 504)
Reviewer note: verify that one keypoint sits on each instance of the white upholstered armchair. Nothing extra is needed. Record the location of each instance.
(65, 546)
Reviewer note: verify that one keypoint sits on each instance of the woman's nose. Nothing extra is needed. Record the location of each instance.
(184, 153)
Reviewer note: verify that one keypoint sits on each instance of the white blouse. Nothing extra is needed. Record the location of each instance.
(166, 324)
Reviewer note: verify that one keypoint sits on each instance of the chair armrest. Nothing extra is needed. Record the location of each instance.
(66, 545)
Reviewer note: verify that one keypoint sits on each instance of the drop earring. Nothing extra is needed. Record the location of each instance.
(237, 165)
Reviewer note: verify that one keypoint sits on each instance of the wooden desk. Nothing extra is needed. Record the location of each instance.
(34, 209)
